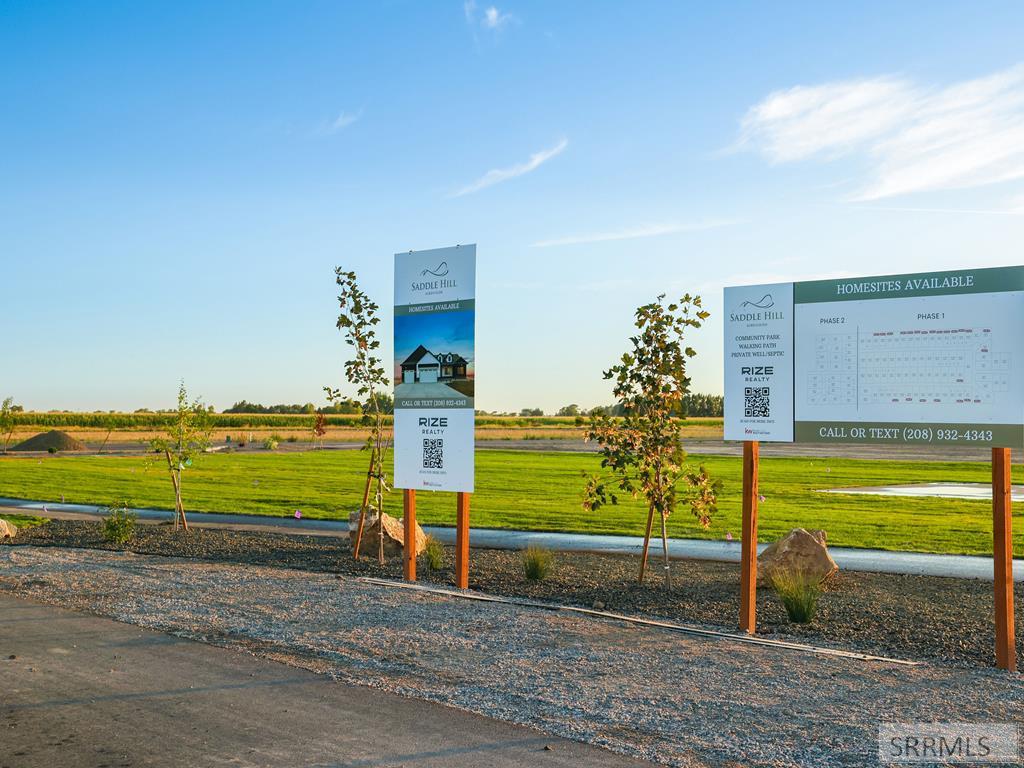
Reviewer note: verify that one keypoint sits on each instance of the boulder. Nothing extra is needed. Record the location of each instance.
(7, 530)
(799, 551)
(394, 535)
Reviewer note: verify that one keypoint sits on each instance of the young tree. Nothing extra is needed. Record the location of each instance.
(8, 419)
(642, 451)
(318, 427)
(357, 321)
(188, 435)
(108, 422)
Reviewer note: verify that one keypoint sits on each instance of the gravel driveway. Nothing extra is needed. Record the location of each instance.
(657, 695)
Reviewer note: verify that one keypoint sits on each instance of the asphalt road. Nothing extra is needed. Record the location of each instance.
(91, 692)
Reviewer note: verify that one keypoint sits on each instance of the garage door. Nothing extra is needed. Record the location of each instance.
(428, 375)
(409, 376)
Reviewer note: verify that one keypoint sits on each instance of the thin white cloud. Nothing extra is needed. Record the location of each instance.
(1012, 210)
(633, 233)
(491, 18)
(912, 137)
(495, 19)
(498, 175)
(340, 123)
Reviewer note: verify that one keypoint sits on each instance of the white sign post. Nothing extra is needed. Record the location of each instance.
(435, 377)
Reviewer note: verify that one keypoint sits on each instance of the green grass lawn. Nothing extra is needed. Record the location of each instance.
(540, 491)
(24, 521)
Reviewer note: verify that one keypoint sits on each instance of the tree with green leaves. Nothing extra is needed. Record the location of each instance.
(188, 435)
(8, 419)
(642, 450)
(357, 320)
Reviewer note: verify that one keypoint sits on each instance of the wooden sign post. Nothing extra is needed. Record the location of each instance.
(409, 530)
(748, 552)
(462, 542)
(1002, 559)
(461, 538)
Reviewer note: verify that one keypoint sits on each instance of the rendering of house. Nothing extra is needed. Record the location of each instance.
(424, 367)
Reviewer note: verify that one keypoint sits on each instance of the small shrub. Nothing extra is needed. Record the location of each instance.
(799, 594)
(536, 562)
(51, 449)
(293, 438)
(434, 554)
(119, 523)
(270, 444)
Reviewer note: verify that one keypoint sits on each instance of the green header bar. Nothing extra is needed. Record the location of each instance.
(988, 280)
(902, 433)
(462, 305)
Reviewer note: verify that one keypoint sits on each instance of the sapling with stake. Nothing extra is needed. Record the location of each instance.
(642, 451)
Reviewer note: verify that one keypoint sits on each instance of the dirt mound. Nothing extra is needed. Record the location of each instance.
(59, 441)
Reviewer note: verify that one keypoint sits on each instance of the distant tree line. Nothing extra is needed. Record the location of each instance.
(341, 406)
(693, 404)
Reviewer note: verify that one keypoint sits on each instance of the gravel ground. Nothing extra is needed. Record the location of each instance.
(658, 695)
(911, 617)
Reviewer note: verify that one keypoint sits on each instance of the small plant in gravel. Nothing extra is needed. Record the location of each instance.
(119, 523)
(434, 554)
(537, 562)
(799, 593)
(270, 444)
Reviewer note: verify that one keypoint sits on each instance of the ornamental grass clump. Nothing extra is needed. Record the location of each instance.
(537, 562)
(119, 523)
(433, 552)
(799, 593)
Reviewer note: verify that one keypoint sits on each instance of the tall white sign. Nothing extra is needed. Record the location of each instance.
(759, 363)
(435, 368)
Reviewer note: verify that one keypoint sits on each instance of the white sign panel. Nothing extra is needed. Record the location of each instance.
(759, 363)
(435, 368)
(930, 358)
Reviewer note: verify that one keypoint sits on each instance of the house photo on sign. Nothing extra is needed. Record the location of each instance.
(434, 369)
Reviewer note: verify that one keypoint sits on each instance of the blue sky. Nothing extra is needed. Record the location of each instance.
(178, 180)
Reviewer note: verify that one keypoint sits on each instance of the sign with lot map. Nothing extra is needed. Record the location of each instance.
(435, 368)
(931, 358)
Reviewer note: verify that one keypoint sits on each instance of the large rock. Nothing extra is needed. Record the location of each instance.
(7, 530)
(394, 535)
(799, 551)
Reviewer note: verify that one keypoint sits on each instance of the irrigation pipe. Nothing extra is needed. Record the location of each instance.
(682, 628)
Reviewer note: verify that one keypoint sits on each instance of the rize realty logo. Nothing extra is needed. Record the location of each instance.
(948, 743)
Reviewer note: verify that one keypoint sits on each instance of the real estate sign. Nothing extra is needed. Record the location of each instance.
(931, 358)
(435, 371)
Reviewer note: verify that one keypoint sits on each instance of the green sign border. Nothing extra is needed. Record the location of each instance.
(921, 433)
(985, 280)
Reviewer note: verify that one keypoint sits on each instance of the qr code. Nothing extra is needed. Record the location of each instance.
(756, 402)
(433, 454)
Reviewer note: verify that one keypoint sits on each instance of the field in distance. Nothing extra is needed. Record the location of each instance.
(539, 491)
(133, 431)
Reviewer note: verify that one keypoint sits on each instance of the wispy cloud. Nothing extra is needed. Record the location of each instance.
(913, 137)
(495, 19)
(339, 123)
(634, 233)
(498, 175)
(1011, 210)
(491, 18)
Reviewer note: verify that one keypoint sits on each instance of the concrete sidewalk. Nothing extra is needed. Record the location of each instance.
(87, 691)
(847, 558)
